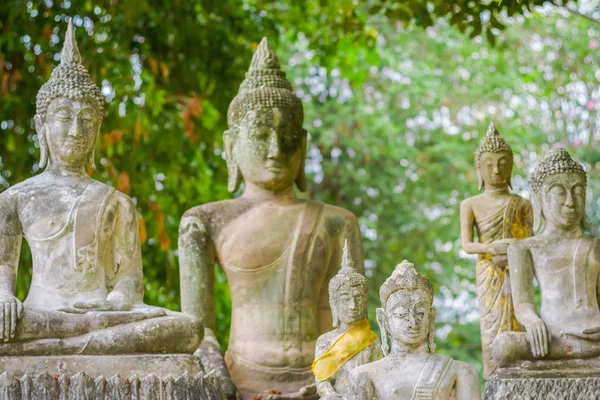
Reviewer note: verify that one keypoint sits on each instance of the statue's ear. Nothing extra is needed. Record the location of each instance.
(480, 183)
(234, 174)
(537, 212)
(382, 322)
(431, 334)
(335, 319)
(583, 222)
(301, 178)
(41, 134)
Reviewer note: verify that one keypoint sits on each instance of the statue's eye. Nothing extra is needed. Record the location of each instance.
(87, 115)
(63, 115)
(578, 191)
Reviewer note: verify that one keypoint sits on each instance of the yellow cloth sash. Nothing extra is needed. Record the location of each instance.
(349, 344)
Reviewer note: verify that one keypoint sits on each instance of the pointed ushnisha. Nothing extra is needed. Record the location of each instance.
(265, 87)
(492, 143)
(404, 277)
(69, 79)
(70, 52)
(347, 277)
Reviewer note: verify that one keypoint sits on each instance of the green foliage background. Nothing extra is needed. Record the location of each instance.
(397, 96)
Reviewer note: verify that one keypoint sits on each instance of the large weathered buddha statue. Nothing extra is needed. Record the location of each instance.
(411, 369)
(87, 284)
(565, 262)
(500, 218)
(352, 343)
(278, 251)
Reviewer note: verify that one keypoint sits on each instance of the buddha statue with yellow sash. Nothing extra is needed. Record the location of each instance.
(500, 218)
(278, 250)
(410, 369)
(352, 343)
(87, 285)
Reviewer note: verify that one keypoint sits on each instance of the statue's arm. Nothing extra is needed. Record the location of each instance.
(521, 268)
(11, 308)
(528, 218)
(467, 383)
(129, 280)
(467, 223)
(360, 387)
(10, 245)
(324, 388)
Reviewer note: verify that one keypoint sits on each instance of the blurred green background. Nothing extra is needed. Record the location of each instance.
(397, 96)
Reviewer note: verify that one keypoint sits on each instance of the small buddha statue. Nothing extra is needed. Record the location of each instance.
(278, 251)
(411, 369)
(87, 284)
(352, 343)
(565, 261)
(500, 218)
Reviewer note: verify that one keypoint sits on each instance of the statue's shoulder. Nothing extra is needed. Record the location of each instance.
(468, 202)
(336, 215)
(25, 188)
(366, 372)
(210, 214)
(523, 201)
(463, 368)
(325, 341)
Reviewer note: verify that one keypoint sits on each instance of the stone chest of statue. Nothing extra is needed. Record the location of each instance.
(352, 343)
(278, 251)
(410, 368)
(85, 305)
(562, 341)
(500, 218)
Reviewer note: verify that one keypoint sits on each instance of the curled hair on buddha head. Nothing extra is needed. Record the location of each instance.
(555, 161)
(492, 142)
(405, 277)
(69, 79)
(346, 278)
(265, 87)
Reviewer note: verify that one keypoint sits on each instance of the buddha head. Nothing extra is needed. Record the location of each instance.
(69, 110)
(407, 312)
(493, 161)
(348, 293)
(558, 184)
(265, 144)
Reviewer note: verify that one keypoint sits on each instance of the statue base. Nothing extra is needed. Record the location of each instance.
(161, 376)
(524, 383)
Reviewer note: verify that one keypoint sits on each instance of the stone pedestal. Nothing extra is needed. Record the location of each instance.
(131, 377)
(520, 383)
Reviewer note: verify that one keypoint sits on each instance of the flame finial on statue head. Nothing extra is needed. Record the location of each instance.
(347, 276)
(70, 52)
(265, 57)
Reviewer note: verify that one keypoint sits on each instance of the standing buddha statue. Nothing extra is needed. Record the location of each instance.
(500, 218)
(277, 250)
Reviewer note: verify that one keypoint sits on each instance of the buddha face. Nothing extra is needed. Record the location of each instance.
(409, 316)
(270, 148)
(495, 169)
(563, 200)
(350, 305)
(70, 130)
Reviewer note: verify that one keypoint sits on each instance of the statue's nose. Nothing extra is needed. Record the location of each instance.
(74, 128)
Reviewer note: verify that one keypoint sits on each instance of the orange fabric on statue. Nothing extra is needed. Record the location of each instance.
(350, 343)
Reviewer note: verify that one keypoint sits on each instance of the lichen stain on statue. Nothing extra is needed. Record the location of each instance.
(87, 284)
(500, 218)
(278, 251)
(410, 368)
(352, 343)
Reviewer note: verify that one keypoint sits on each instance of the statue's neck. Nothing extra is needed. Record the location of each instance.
(401, 349)
(60, 169)
(497, 191)
(553, 230)
(254, 192)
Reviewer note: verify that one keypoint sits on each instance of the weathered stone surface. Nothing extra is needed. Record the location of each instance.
(83, 387)
(565, 262)
(411, 369)
(584, 388)
(278, 250)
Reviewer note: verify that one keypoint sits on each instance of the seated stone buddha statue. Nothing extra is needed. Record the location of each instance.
(565, 261)
(411, 369)
(87, 285)
(351, 343)
(277, 250)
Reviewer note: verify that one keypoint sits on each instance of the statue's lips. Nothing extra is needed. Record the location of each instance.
(276, 167)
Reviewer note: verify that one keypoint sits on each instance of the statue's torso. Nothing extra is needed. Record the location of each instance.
(275, 259)
(422, 376)
(63, 224)
(568, 280)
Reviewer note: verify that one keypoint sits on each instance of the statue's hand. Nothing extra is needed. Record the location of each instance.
(592, 334)
(539, 338)
(304, 392)
(112, 303)
(11, 309)
(500, 247)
